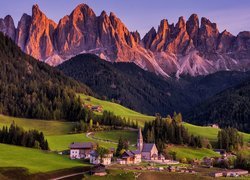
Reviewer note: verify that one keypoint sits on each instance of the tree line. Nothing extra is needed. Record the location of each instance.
(170, 130)
(32, 89)
(16, 135)
(108, 120)
(230, 139)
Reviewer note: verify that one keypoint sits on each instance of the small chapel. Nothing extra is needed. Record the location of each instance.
(148, 151)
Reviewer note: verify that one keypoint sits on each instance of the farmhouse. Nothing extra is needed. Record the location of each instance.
(148, 151)
(130, 157)
(81, 150)
(96, 159)
(97, 108)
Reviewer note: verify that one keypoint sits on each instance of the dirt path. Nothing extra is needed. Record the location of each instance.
(91, 135)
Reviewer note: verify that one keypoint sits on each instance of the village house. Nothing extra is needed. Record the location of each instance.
(148, 151)
(96, 159)
(130, 157)
(213, 126)
(81, 150)
(97, 108)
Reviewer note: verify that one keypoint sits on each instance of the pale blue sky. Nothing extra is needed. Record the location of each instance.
(141, 15)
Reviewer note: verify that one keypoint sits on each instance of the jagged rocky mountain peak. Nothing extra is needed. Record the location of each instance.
(188, 47)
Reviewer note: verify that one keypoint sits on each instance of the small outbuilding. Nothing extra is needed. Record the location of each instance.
(98, 170)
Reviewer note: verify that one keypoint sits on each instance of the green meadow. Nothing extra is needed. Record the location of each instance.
(114, 136)
(34, 160)
(62, 142)
(209, 132)
(118, 109)
(46, 126)
(191, 153)
(58, 135)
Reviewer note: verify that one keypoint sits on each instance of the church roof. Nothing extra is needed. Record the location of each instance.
(147, 147)
(136, 152)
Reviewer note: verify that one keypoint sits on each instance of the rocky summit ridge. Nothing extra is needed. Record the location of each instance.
(193, 47)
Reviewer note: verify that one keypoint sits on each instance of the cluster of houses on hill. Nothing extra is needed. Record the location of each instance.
(145, 151)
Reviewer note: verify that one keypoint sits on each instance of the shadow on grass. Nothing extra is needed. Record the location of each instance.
(23, 173)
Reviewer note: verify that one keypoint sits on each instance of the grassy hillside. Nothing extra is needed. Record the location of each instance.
(227, 108)
(62, 142)
(131, 136)
(191, 153)
(47, 127)
(33, 159)
(209, 132)
(117, 109)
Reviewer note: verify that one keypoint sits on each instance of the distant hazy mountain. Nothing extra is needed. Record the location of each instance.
(145, 91)
(190, 47)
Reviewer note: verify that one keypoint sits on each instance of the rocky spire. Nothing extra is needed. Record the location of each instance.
(162, 35)
(225, 41)
(23, 28)
(193, 28)
(39, 43)
(7, 27)
(208, 34)
(148, 38)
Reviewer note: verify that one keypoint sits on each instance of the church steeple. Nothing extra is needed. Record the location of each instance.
(139, 140)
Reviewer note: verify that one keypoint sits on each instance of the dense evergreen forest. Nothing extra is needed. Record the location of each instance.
(32, 89)
(18, 136)
(230, 139)
(170, 130)
(109, 120)
(230, 108)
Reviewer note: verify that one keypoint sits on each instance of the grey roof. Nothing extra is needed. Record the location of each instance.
(127, 154)
(147, 147)
(136, 152)
(94, 153)
(85, 145)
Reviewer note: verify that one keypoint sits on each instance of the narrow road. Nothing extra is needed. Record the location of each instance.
(70, 175)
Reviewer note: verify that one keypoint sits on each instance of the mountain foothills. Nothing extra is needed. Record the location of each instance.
(190, 47)
(146, 92)
(32, 89)
(228, 108)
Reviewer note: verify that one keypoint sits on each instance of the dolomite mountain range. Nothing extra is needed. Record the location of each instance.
(193, 47)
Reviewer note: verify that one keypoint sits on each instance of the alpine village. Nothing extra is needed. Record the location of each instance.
(85, 97)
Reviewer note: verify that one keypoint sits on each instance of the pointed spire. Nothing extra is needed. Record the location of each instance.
(140, 134)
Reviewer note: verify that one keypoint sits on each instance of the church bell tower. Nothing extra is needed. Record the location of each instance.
(140, 140)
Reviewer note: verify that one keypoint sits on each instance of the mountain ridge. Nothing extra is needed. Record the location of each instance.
(190, 47)
(143, 91)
